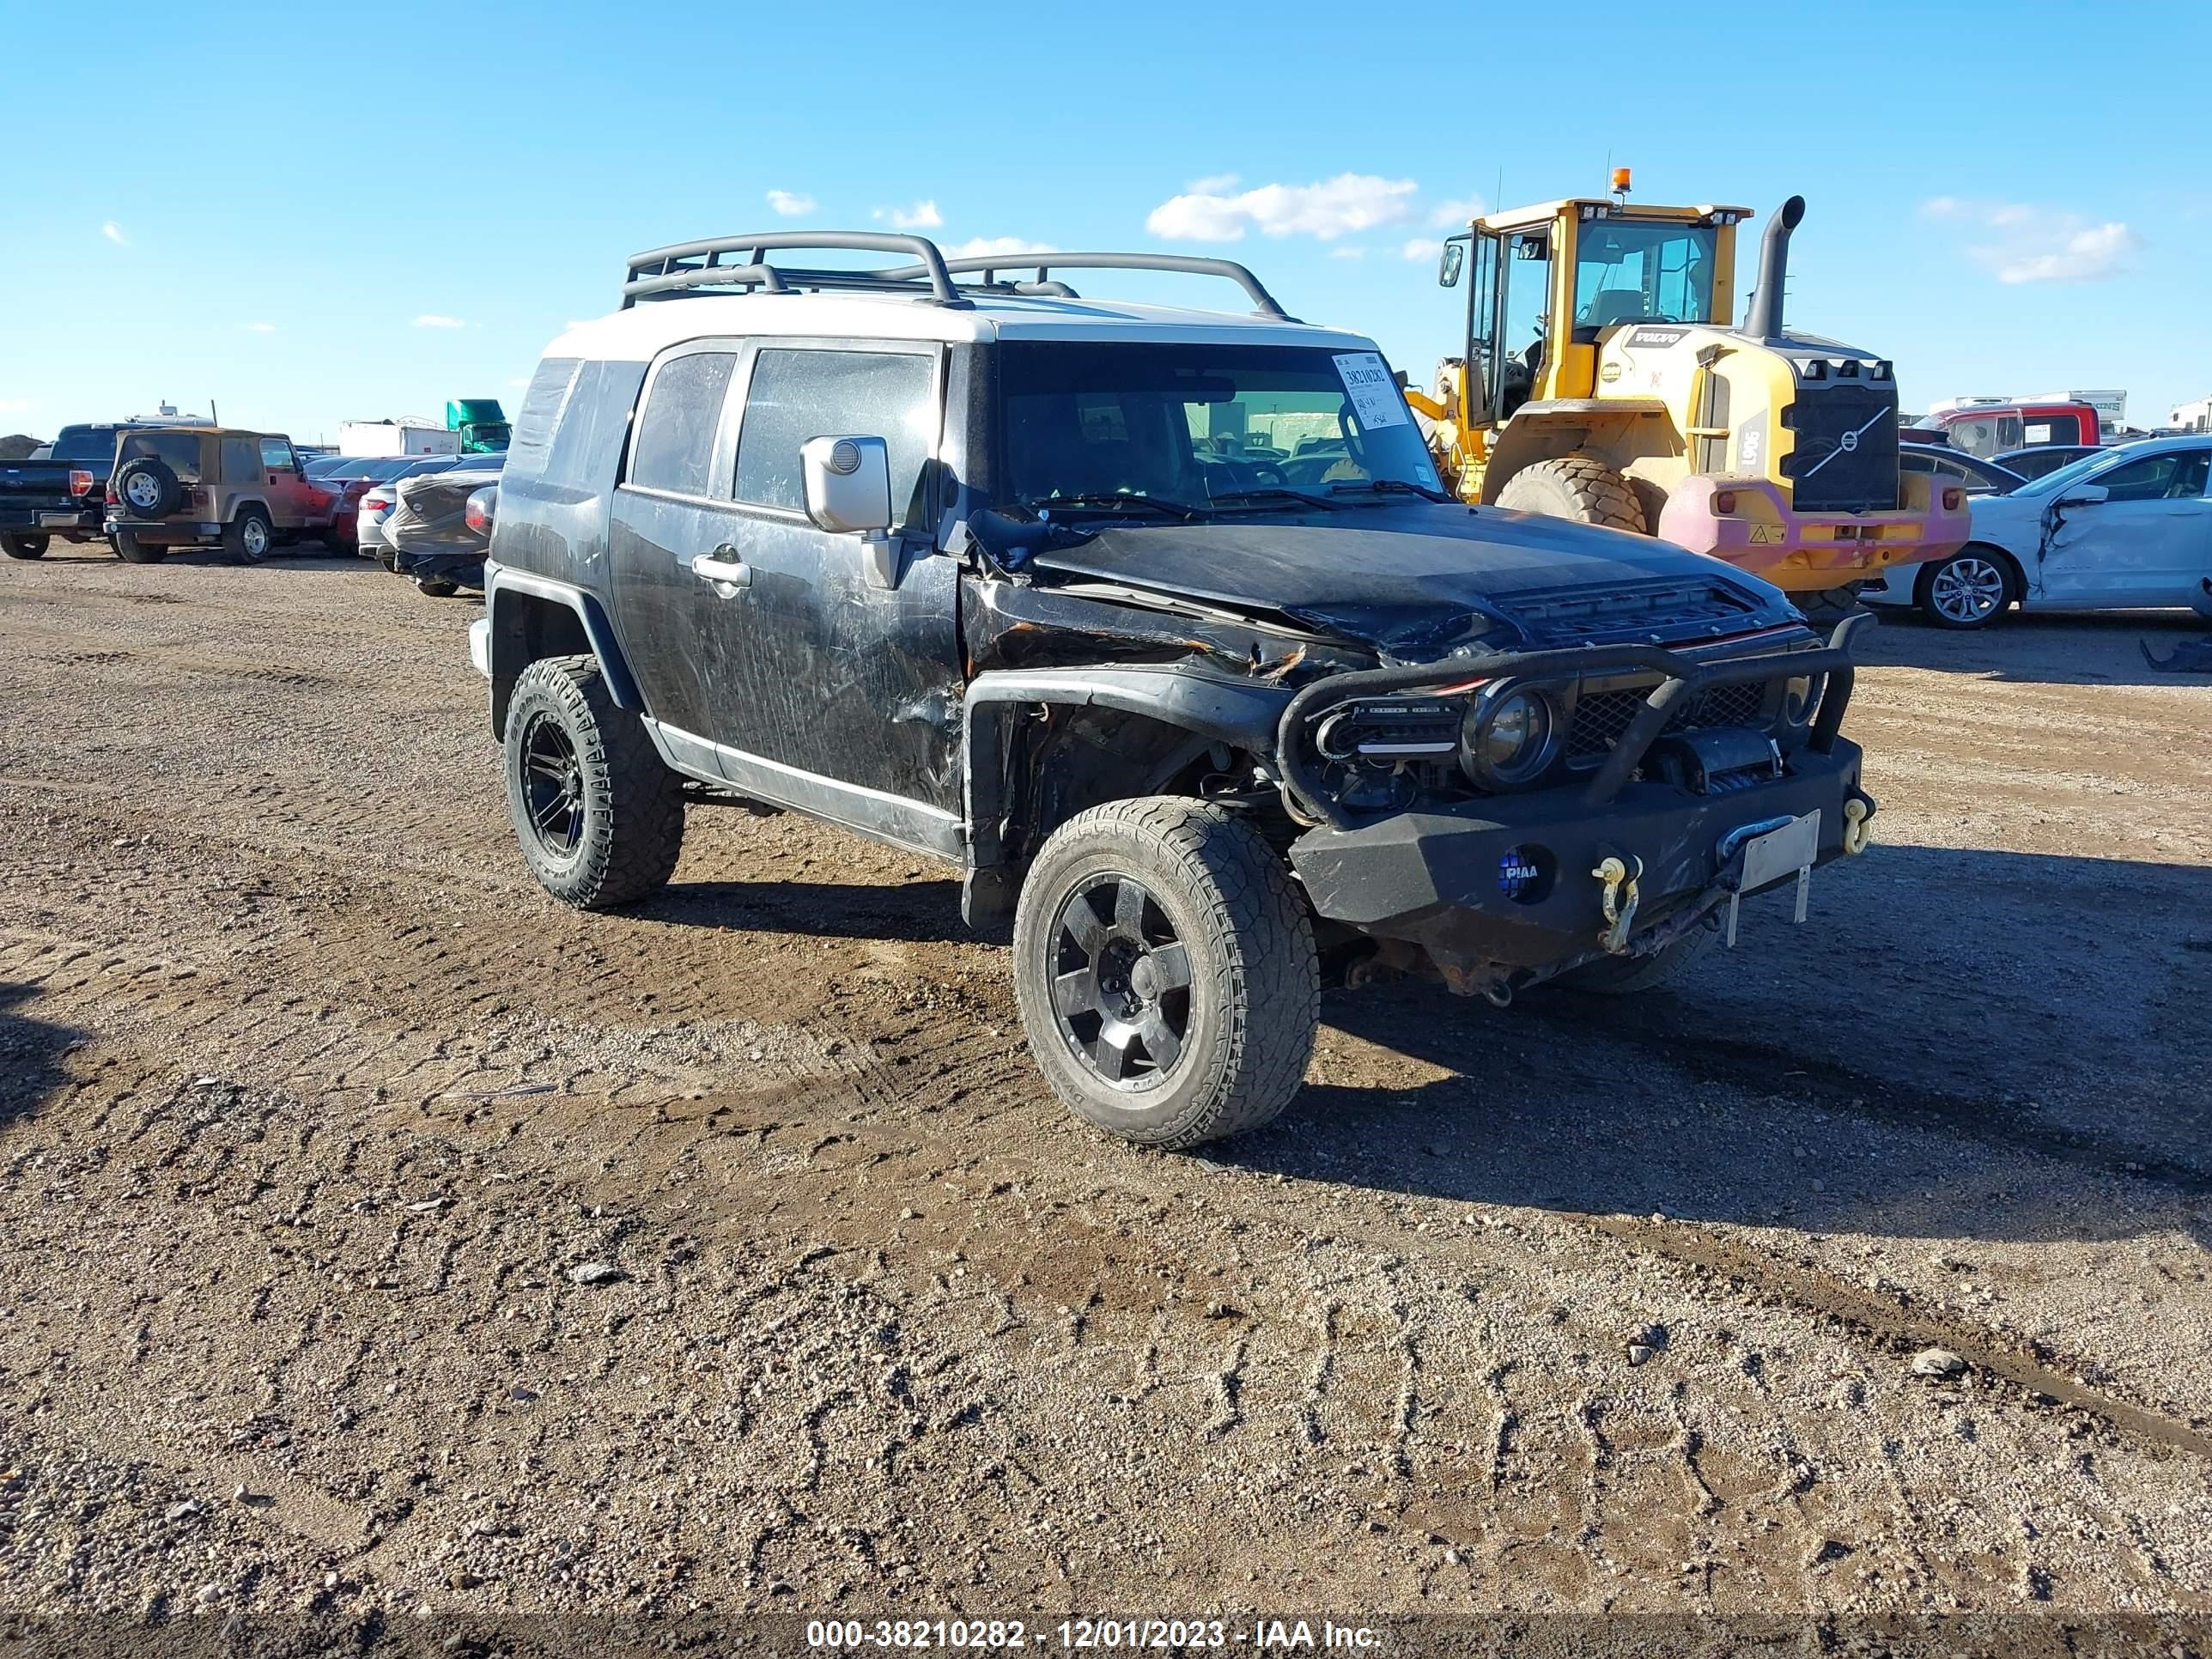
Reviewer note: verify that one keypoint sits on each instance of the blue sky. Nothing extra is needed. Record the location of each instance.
(311, 221)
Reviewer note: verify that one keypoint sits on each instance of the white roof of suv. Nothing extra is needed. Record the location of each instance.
(691, 292)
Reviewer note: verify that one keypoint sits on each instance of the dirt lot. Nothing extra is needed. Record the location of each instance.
(310, 1103)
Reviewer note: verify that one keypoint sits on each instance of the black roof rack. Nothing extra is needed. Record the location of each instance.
(988, 266)
(662, 272)
(687, 267)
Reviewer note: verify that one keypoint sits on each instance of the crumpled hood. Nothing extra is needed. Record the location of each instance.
(1416, 580)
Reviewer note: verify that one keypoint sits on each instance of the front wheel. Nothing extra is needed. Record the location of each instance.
(436, 587)
(600, 818)
(1970, 589)
(21, 546)
(247, 538)
(132, 550)
(1165, 970)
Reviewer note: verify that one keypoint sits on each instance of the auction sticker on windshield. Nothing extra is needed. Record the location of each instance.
(1373, 393)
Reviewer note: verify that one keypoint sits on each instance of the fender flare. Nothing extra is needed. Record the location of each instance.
(1212, 710)
(599, 628)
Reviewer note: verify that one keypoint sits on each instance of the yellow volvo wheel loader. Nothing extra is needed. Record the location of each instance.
(1602, 380)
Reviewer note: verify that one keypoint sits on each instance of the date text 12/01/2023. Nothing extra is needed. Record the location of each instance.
(1082, 1635)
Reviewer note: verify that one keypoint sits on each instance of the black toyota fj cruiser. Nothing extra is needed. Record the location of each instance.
(1156, 625)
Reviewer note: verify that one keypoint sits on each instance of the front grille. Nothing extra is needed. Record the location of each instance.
(1600, 717)
(1613, 611)
(1845, 458)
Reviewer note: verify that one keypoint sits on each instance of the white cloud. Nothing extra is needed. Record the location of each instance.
(791, 203)
(2032, 244)
(113, 232)
(980, 247)
(1454, 214)
(1329, 209)
(429, 321)
(1420, 247)
(1350, 251)
(261, 328)
(1214, 184)
(922, 215)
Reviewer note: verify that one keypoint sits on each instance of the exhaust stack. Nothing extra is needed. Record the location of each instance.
(1764, 319)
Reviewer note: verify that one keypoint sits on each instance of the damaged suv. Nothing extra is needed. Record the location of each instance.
(1153, 623)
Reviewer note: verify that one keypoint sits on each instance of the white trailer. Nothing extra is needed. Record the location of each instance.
(396, 438)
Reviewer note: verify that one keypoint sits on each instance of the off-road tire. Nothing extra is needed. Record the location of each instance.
(633, 809)
(21, 546)
(168, 494)
(1577, 487)
(1831, 605)
(131, 550)
(1253, 993)
(1622, 976)
(247, 538)
(436, 587)
(1924, 586)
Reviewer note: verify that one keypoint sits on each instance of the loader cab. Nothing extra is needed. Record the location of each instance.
(1544, 283)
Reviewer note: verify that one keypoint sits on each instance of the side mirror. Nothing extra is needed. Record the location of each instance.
(1450, 264)
(2085, 495)
(848, 492)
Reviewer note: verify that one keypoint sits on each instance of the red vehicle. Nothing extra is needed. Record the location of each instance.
(349, 478)
(1990, 429)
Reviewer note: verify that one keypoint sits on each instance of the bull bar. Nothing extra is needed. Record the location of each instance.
(1681, 677)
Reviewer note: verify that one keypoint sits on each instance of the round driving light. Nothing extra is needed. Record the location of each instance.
(1800, 696)
(1507, 740)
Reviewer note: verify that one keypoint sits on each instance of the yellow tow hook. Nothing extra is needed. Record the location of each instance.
(1618, 900)
(1856, 831)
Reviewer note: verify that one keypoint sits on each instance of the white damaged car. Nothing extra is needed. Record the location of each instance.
(2122, 529)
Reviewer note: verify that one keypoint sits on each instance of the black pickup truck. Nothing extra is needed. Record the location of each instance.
(63, 494)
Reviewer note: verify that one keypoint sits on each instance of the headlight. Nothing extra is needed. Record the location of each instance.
(1508, 737)
(1800, 696)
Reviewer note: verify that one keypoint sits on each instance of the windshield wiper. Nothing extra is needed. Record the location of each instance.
(1273, 493)
(1392, 485)
(1105, 500)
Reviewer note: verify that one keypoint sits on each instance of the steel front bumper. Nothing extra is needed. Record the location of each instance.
(1810, 552)
(1439, 880)
(1433, 878)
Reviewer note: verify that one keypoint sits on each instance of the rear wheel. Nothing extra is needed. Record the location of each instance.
(131, 550)
(1577, 487)
(436, 587)
(1970, 589)
(247, 538)
(599, 818)
(21, 546)
(1165, 970)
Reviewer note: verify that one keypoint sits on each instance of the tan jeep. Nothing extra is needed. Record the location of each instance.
(210, 486)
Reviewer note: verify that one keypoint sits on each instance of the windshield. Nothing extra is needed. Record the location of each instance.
(1626, 273)
(2072, 473)
(1195, 424)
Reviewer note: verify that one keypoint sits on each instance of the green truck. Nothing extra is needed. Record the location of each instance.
(480, 421)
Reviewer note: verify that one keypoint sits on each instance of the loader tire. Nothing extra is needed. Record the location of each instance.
(1577, 487)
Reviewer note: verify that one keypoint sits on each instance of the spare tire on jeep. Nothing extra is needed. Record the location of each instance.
(149, 487)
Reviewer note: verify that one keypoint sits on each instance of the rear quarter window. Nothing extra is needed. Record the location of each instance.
(532, 439)
(587, 446)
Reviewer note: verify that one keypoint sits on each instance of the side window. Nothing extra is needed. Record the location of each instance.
(276, 455)
(587, 445)
(541, 407)
(2175, 475)
(241, 460)
(674, 446)
(797, 395)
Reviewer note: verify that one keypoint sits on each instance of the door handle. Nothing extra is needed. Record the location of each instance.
(723, 565)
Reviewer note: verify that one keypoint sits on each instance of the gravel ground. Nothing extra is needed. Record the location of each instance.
(389, 1245)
